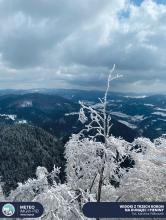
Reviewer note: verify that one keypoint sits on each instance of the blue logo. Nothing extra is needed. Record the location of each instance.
(8, 210)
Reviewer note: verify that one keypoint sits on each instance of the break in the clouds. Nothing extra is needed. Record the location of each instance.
(73, 44)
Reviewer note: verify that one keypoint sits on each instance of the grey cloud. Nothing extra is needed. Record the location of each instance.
(33, 27)
(73, 43)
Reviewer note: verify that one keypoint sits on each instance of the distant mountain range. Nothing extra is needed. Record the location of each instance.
(49, 112)
(132, 115)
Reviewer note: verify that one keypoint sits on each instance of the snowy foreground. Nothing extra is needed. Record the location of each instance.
(146, 181)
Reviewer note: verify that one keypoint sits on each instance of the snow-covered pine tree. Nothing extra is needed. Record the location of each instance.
(32, 187)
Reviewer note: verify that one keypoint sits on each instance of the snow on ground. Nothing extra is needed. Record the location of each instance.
(160, 109)
(137, 118)
(162, 119)
(97, 106)
(159, 113)
(158, 129)
(26, 104)
(128, 124)
(120, 114)
(123, 115)
(12, 117)
(22, 122)
(150, 105)
(136, 97)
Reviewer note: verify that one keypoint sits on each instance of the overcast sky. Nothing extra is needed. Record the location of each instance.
(74, 43)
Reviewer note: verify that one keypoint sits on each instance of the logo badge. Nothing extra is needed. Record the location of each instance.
(8, 210)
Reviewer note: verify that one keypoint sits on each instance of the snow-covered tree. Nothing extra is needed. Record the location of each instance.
(60, 203)
(58, 200)
(32, 187)
(148, 177)
(85, 161)
(94, 157)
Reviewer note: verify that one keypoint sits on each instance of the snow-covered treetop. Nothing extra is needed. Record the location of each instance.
(98, 121)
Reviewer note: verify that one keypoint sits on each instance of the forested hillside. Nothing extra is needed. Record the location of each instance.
(22, 149)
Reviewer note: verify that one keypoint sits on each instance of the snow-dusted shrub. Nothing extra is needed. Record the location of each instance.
(147, 180)
(59, 200)
(85, 161)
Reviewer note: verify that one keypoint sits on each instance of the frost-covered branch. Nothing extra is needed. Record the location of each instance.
(95, 119)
